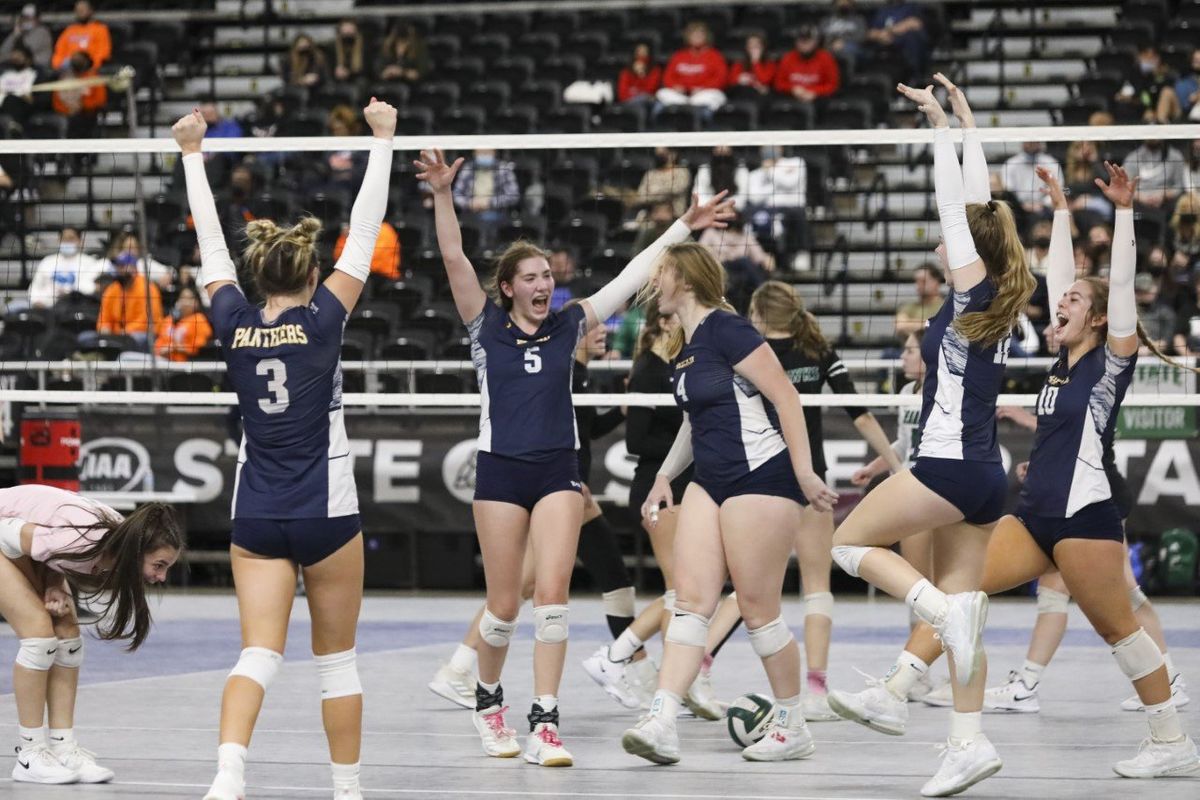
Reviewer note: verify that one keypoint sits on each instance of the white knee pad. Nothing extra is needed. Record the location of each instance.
(669, 600)
(1137, 655)
(70, 653)
(770, 638)
(688, 629)
(339, 674)
(818, 603)
(1052, 601)
(849, 557)
(551, 623)
(1137, 598)
(494, 630)
(259, 665)
(37, 653)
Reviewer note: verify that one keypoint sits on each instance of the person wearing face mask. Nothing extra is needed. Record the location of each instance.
(1020, 177)
(1187, 88)
(844, 30)
(723, 173)
(68, 270)
(29, 30)
(751, 76)
(86, 35)
(1185, 232)
(697, 72)
(185, 330)
(126, 250)
(487, 187)
(640, 79)
(123, 304)
(17, 77)
(350, 60)
(305, 64)
(668, 181)
(1148, 93)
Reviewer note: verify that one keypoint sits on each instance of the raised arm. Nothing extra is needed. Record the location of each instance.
(601, 305)
(977, 188)
(351, 271)
(216, 265)
(1060, 259)
(1122, 305)
(469, 297)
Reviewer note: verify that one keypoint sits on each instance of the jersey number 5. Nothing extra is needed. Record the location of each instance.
(276, 374)
(533, 361)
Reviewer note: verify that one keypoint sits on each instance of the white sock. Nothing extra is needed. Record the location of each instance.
(928, 601)
(61, 738)
(904, 674)
(620, 602)
(548, 702)
(1031, 673)
(666, 705)
(490, 688)
(965, 725)
(464, 659)
(788, 712)
(231, 758)
(1172, 672)
(625, 646)
(1164, 722)
(31, 737)
(345, 776)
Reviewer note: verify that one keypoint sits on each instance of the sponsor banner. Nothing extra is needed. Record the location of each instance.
(415, 472)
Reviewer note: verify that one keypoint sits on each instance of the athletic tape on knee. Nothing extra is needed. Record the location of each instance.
(688, 629)
(849, 557)
(1137, 655)
(1137, 598)
(1052, 601)
(551, 623)
(770, 638)
(37, 653)
(339, 674)
(620, 602)
(70, 653)
(259, 665)
(494, 630)
(818, 603)
(669, 600)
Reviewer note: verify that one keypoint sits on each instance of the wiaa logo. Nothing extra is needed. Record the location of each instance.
(458, 470)
(115, 464)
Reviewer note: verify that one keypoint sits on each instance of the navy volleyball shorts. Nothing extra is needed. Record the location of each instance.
(1098, 521)
(524, 483)
(976, 488)
(304, 541)
(773, 478)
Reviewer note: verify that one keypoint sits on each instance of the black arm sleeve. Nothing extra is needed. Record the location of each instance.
(838, 378)
(647, 434)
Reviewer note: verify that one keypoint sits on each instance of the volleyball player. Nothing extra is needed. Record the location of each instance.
(57, 547)
(957, 486)
(295, 506)
(527, 482)
(753, 470)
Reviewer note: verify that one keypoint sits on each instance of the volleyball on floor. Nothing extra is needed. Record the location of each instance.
(747, 718)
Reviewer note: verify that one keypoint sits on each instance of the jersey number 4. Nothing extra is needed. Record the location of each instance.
(275, 372)
(681, 388)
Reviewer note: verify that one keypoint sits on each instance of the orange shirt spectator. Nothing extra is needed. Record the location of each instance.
(809, 71)
(385, 260)
(181, 340)
(85, 34)
(123, 308)
(69, 102)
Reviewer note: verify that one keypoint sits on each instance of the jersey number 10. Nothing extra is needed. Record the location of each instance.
(1047, 400)
(276, 373)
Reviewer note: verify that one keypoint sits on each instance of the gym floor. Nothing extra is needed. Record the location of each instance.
(152, 716)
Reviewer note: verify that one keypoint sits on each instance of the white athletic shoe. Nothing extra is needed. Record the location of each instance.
(499, 741)
(784, 739)
(963, 765)
(72, 756)
(1161, 760)
(920, 689)
(1014, 696)
(642, 677)
(457, 687)
(653, 738)
(545, 749)
(961, 632)
(876, 707)
(701, 702)
(816, 708)
(37, 764)
(941, 696)
(226, 786)
(1178, 694)
(612, 676)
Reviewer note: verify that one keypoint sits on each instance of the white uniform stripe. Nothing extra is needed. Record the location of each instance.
(342, 493)
(760, 440)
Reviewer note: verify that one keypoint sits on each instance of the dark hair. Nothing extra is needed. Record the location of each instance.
(281, 259)
(506, 268)
(121, 589)
(932, 270)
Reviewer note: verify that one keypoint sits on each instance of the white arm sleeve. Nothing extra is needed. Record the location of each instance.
(680, 454)
(1122, 305)
(975, 168)
(613, 295)
(215, 262)
(366, 217)
(951, 203)
(1060, 259)
(10, 537)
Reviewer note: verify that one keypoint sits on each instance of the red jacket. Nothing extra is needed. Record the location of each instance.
(629, 85)
(817, 73)
(763, 71)
(696, 69)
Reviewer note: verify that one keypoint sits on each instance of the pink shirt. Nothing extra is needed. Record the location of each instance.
(55, 512)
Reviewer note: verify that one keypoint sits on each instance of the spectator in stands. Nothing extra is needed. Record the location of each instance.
(1039, 247)
(30, 31)
(84, 35)
(233, 203)
(305, 65)
(1187, 316)
(1187, 89)
(640, 80)
(1191, 177)
(126, 251)
(657, 220)
(899, 29)
(123, 306)
(746, 263)
(723, 173)
(385, 258)
(696, 74)
(185, 330)
(68, 270)
(351, 61)
(1185, 232)
(1156, 317)
(927, 281)
(17, 77)
(667, 181)
(219, 127)
(775, 204)
(562, 268)
(1149, 89)
(844, 31)
(1099, 242)
(487, 187)
(752, 75)
(1020, 177)
(341, 172)
(405, 56)
(81, 105)
(809, 72)
(1088, 204)
(1159, 169)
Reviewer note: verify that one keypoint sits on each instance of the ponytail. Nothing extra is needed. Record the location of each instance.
(995, 233)
(781, 308)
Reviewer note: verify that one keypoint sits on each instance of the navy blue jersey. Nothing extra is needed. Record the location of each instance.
(525, 382)
(1077, 416)
(732, 432)
(963, 379)
(294, 461)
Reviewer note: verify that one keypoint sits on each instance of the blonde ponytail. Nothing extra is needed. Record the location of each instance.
(995, 233)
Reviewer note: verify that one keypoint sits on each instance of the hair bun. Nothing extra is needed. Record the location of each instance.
(306, 231)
